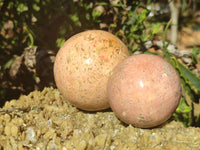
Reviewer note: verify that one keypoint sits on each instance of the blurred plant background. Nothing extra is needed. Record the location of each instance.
(31, 32)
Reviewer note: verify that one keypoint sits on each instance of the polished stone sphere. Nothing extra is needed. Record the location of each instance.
(83, 65)
(144, 90)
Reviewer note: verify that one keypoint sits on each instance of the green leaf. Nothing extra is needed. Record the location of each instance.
(21, 8)
(142, 16)
(166, 52)
(1, 3)
(183, 108)
(156, 28)
(36, 7)
(87, 16)
(63, 31)
(87, 6)
(195, 52)
(30, 35)
(132, 16)
(190, 76)
(8, 63)
(148, 52)
(113, 25)
(74, 18)
(11, 4)
(96, 14)
(188, 79)
(188, 88)
(60, 42)
(133, 28)
(102, 4)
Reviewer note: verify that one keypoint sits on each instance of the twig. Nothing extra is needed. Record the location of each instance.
(4, 111)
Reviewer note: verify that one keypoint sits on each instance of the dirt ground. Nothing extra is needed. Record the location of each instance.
(45, 120)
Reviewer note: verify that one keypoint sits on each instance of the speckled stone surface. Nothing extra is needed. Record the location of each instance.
(83, 65)
(144, 90)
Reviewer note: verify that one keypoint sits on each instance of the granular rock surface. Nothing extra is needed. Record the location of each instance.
(45, 120)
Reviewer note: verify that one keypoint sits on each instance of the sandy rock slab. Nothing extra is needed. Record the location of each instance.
(45, 120)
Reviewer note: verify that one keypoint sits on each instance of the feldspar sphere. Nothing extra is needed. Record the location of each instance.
(83, 65)
(144, 90)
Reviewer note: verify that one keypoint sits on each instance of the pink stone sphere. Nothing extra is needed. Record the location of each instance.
(144, 90)
(83, 65)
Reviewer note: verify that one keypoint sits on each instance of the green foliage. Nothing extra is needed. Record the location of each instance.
(35, 22)
(183, 108)
(188, 76)
(8, 63)
(60, 42)
(30, 35)
(195, 52)
(96, 15)
(136, 29)
(190, 83)
(183, 113)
